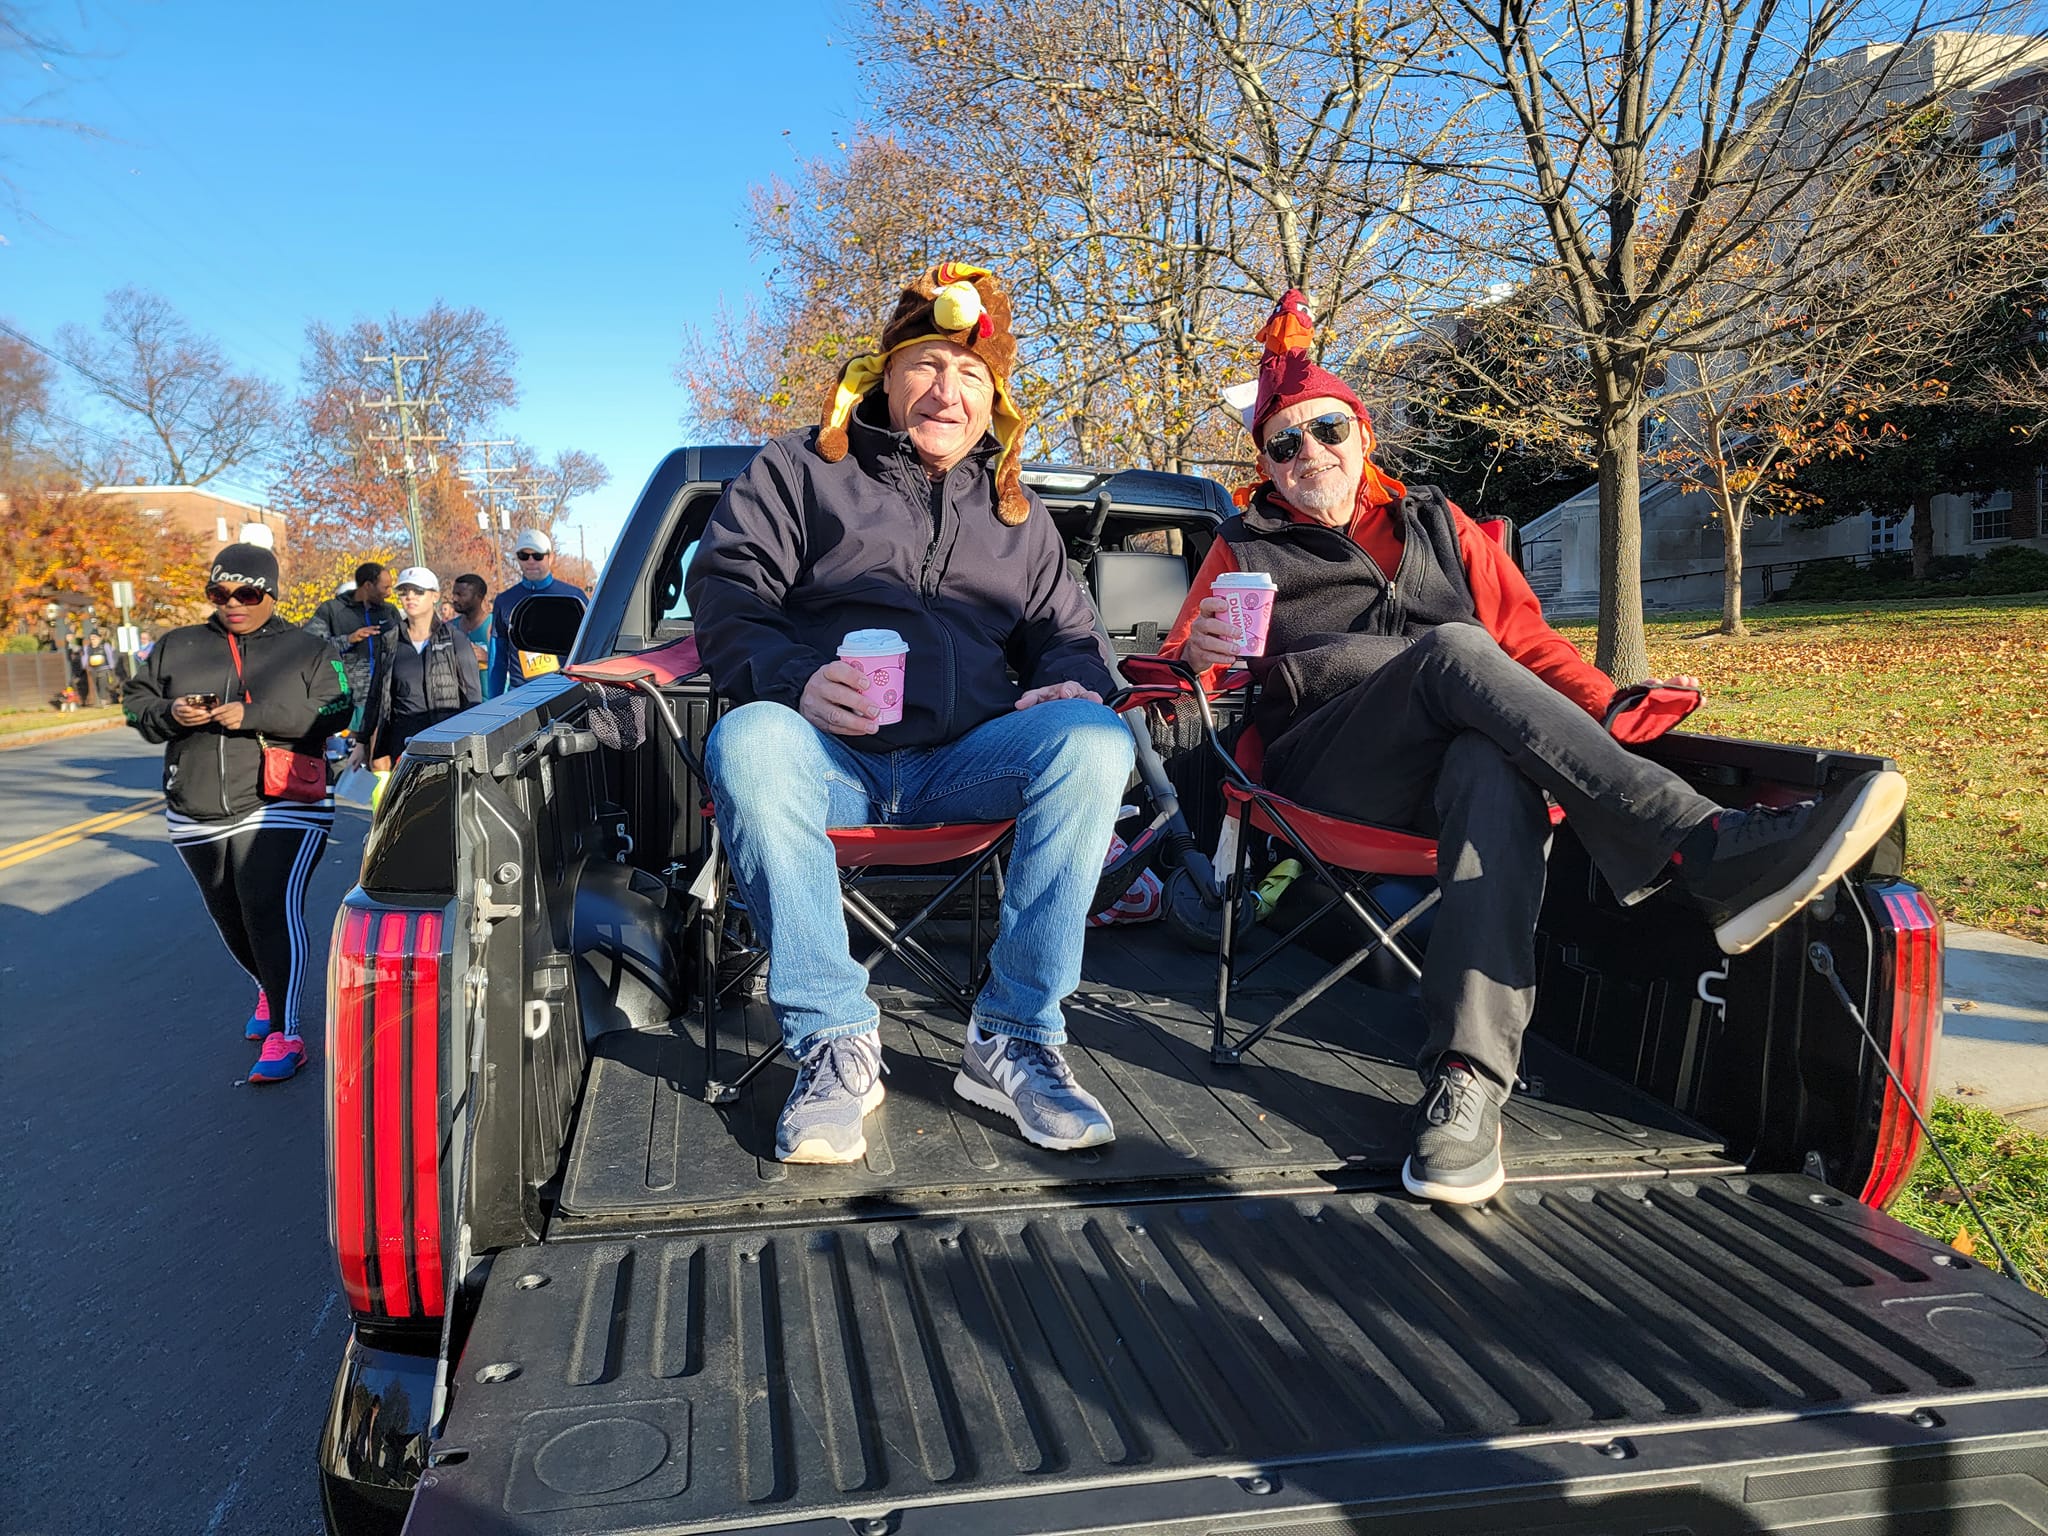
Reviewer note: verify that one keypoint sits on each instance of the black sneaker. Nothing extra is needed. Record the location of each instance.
(1763, 864)
(1456, 1157)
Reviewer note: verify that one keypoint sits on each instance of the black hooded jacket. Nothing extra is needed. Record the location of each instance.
(800, 551)
(298, 697)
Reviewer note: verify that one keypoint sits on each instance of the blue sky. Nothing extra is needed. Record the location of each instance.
(577, 172)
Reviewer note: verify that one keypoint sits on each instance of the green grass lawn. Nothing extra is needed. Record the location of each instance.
(37, 719)
(1956, 692)
(2006, 1171)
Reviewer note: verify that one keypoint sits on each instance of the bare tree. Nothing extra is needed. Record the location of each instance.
(1159, 173)
(30, 82)
(24, 398)
(843, 238)
(200, 418)
(1673, 167)
(557, 482)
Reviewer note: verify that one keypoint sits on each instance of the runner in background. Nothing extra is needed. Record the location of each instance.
(535, 554)
(222, 697)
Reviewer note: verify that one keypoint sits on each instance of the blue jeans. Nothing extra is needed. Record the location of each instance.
(779, 783)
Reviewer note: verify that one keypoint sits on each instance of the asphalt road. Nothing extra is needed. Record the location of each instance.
(169, 1318)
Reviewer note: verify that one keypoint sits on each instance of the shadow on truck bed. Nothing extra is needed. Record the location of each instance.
(1329, 1100)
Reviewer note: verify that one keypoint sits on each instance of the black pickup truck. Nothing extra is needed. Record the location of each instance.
(586, 1300)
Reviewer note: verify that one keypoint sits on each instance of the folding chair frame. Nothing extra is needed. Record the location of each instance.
(1247, 805)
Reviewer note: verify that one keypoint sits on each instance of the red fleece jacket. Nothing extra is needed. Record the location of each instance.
(1500, 594)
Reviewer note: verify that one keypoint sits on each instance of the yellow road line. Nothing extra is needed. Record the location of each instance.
(153, 798)
(64, 837)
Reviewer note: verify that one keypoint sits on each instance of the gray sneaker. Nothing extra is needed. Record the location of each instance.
(1035, 1087)
(1456, 1157)
(838, 1082)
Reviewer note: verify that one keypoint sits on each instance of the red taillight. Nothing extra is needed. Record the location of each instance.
(1914, 933)
(384, 1125)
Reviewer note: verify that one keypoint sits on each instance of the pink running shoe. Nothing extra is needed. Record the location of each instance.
(282, 1057)
(259, 1021)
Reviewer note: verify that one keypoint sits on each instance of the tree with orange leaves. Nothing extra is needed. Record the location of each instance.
(62, 542)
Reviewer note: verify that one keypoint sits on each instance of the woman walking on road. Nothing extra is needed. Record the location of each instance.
(244, 704)
(425, 673)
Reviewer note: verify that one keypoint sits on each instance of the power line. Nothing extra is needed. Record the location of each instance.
(408, 437)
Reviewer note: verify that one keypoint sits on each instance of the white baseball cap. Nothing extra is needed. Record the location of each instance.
(533, 538)
(418, 576)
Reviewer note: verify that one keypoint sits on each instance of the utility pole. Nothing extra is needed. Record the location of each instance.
(411, 434)
(494, 517)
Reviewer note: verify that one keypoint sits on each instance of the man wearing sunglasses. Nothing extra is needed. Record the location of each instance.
(1409, 680)
(216, 696)
(534, 554)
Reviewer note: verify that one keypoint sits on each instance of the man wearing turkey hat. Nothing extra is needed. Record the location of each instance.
(1409, 680)
(903, 512)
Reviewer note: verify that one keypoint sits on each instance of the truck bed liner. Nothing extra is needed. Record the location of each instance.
(1330, 1095)
(1145, 1356)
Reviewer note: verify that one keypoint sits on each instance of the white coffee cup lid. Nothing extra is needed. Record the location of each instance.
(873, 642)
(1243, 579)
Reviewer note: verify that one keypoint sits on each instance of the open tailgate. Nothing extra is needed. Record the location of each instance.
(1735, 1353)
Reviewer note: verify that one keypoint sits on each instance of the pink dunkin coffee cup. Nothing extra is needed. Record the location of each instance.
(880, 654)
(1248, 605)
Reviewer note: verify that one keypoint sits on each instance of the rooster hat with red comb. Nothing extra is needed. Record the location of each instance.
(966, 306)
(1288, 374)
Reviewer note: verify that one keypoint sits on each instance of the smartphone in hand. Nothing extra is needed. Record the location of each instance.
(206, 700)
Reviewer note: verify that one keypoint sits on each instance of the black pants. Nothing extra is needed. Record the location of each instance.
(254, 882)
(1458, 741)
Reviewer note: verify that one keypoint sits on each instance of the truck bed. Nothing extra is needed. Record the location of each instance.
(1723, 1353)
(1326, 1101)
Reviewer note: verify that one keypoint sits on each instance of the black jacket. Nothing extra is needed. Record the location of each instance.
(798, 552)
(338, 618)
(1337, 617)
(454, 681)
(298, 696)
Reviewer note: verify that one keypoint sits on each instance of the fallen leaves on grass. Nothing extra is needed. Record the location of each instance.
(1950, 692)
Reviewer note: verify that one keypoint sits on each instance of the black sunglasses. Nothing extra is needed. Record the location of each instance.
(528, 556)
(410, 588)
(241, 597)
(1330, 430)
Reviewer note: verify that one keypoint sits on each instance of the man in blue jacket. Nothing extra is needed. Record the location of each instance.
(534, 553)
(904, 510)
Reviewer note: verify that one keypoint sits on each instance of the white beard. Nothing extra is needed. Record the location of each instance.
(1329, 493)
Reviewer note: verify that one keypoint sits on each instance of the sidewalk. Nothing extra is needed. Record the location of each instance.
(11, 739)
(1994, 1029)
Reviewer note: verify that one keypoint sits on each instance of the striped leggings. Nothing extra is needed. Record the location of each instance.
(253, 878)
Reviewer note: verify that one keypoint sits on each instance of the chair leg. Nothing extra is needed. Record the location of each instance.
(710, 933)
(1221, 1051)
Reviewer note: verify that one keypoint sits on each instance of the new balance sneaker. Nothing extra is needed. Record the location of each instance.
(1035, 1087)
(1456, 1155)
(838, 1084)
(282, 1057)
(1751, 870)
(259, 1021)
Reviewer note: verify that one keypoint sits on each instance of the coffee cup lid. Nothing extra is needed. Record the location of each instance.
(873, 642)
(1243, 579)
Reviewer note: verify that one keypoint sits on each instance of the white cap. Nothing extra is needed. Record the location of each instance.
(347, 588)
(533, 538)
(418, 576)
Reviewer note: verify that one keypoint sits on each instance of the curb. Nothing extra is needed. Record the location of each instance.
(13, 739)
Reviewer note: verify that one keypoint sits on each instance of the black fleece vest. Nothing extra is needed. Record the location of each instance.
(1331, 594)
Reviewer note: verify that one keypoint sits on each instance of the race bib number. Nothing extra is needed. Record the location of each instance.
(533, 664)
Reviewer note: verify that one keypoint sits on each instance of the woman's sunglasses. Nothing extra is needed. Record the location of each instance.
(241, 597)
(1283, 446)
(410, 591)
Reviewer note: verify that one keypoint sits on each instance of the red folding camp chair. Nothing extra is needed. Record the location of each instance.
(1346, 857)
(728, 959)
